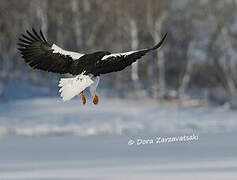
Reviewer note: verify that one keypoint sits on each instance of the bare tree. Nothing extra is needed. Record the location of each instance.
(160, 55)
(89, 25)
(77, 24)
(187, 74)
(155, 24)
(229, 66)
(134, 46)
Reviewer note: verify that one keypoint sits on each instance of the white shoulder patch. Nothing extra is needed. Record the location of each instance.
(74, 55)
(71, 87)
(119, 54)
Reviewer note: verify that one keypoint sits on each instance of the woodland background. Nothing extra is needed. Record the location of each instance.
(189, 87)
(198, 60)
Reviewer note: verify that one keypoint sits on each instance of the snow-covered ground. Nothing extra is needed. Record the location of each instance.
(50, 116)
(44, 138)
(109, 157)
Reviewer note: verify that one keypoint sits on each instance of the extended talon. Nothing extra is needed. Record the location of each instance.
(96, 99)
(83, 98)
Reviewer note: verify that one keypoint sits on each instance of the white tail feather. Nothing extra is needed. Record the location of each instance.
(71, 87)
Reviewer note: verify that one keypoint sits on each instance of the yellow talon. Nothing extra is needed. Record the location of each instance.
(83, 98)
(96, 99)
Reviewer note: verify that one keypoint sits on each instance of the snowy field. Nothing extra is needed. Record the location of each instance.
(44, 138)
(109, 157)
(50, 116)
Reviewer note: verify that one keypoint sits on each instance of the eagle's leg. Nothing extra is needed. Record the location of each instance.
(96, 99)
(83, 98)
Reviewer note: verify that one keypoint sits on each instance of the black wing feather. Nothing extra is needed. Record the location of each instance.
(42, 36)
(37, 52)
(118, 63)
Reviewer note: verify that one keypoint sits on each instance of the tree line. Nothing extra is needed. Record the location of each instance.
(198, 58)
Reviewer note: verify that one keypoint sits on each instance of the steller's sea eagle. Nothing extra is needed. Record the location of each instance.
(86, 68)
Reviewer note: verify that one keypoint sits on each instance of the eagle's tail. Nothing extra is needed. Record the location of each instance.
(71, 87)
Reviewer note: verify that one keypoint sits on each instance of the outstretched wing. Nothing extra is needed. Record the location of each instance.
(117, 62)
(40, 54)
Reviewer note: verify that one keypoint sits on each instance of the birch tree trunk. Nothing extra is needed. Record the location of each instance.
(230, 53)
(4, 74)
(187, 74)
(229, 67)
(161, 86)
(39, 8)
(77, 25)
(134, 46)
(42, 16)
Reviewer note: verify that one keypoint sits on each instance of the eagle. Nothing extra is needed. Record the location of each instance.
(85, 69)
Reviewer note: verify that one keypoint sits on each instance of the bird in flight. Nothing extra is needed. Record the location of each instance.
(86, 69)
